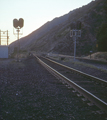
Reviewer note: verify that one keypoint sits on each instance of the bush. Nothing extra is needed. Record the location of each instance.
(102, 38)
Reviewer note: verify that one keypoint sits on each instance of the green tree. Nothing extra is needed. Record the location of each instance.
(105, 6)
(102, 38)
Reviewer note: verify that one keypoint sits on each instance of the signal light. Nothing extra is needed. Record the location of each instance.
(21, 22)
(15, 23)
(75, 25)
(18, 23)
(78, 25)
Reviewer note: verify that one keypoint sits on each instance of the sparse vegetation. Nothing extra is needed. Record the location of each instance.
(99, 56)
(102, 37)
(21, 54)
(79, 63)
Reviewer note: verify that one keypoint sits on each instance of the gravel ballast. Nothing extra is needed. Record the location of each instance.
(30, 92)
(91, 69)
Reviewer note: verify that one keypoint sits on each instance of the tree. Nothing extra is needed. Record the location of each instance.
(105, 6)
(102, 38)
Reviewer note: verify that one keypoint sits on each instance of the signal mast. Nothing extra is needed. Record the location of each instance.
(18, 24)
(75, 32)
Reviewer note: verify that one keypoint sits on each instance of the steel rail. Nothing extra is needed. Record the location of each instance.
(81, 58)
(80, 72)
(95, 100)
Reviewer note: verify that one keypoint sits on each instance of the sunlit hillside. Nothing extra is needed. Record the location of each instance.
(54, 36)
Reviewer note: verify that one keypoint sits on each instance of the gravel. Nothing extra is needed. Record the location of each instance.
(30, 92)
(91, 69)
(98, 64)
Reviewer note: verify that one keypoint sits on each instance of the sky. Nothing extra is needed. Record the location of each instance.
(34, 12)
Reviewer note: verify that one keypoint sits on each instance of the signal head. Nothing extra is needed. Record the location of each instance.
(21, 22)
(78, 25)
(15, 23)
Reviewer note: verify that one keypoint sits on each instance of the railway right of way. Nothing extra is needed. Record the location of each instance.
(29, 91)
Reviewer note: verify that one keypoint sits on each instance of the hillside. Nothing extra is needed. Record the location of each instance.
(54, 36)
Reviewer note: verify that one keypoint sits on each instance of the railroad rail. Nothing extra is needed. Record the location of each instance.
(94, 62)
(79, 58)
(88, 95)
(82, 73)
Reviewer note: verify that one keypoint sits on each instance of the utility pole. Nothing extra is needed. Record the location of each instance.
(7, 37)
(74, 37)
(4, 36)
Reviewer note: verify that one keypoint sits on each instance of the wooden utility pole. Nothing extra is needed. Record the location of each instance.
(4, 36)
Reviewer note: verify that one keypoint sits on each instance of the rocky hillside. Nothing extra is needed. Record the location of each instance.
(54, 36)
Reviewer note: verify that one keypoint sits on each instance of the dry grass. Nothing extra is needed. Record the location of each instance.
(98, 56)
(20, 55)
(79, 63)
(19, 65)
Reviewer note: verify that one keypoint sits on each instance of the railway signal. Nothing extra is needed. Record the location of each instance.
(78, 25)
(21, 22)
(18, 24)
(75, 32)
(15, 23)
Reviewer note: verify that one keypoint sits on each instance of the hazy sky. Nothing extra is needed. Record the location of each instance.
(34, 12)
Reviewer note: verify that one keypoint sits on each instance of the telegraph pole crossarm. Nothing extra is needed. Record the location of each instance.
(4, 37)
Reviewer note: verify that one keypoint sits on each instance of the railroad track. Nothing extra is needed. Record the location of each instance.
(96, 63)
(92, 88)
